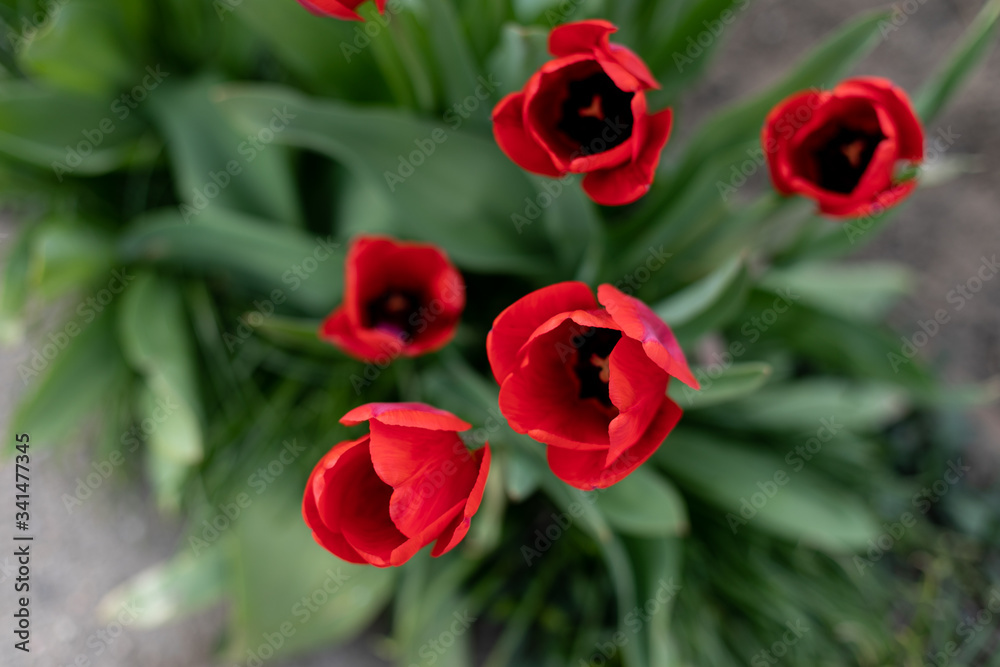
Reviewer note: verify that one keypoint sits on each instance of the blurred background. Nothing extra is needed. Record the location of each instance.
(944, 233)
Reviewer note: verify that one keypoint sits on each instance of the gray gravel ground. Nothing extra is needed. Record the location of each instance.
(943, 234)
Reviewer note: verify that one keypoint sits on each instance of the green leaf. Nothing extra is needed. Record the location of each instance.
(346, 598)
(458, 190)
(80, 48)
(800, 506)
(84, 372)
(521, 473)
(805, 404)
(708, 303)
(456, 63)
(674, 58)
(971, 50)
(169, 591)
(275, 261)
(70, 133)
(15, 285)
(739, 125)
(156, 340)
(721, 385)
(657, 564)
(329, 56)
(67, 254)
(215, 166)
(854, 291)
(521, 51)
(644, 504)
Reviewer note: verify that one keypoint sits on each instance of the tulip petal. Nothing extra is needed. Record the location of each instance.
(328, 535)
(637, 388)
(459, 527)
(514, 326)
(516, 142)
(627, 183)
(580, 37)
(588, 470)
(333, 8)
(639, 322)
(418, 415)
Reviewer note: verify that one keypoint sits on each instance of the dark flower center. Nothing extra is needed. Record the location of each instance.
(597, 114)
(592, 366)
(840, 156)
(393, 311)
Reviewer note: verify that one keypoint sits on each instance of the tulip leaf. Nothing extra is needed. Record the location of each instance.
(213, 165)
(739, 125)
(70, 375)
(721, 385)
(803, 405)
(644, 504)
(14, 287)
(450, 188)
(657, 563)
(341, 599)
(679, 54)
(256, 255)
(695, 299)
(81, 48)
(960, 65)
(67, 255)
(170, 590)
(155, 338)
(855, 291)
(755, 489)
(68, 132)
(456, 63)
(521, 51)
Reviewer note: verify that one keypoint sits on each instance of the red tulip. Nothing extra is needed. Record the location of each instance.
(383, 497)
(590, 382)
(399, 299)
(843, 147)
(340, 9)
(585, 113)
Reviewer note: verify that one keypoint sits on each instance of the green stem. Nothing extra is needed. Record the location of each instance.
(423, 86)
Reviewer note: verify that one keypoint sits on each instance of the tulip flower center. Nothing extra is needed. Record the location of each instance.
(592, 365)
(838, 156)
(596, 114)
(393, 311)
